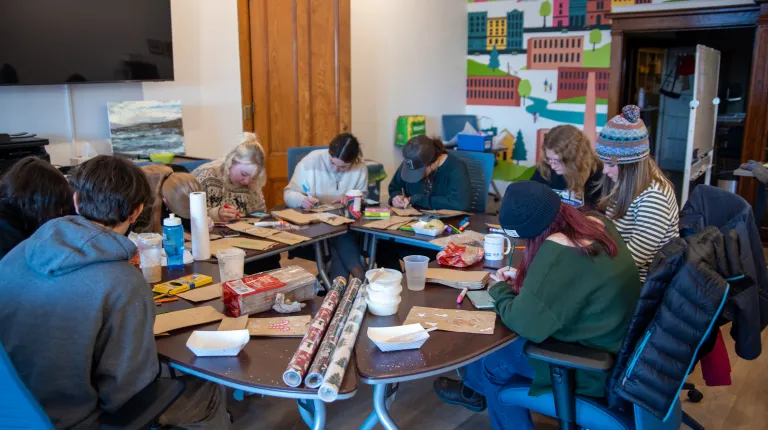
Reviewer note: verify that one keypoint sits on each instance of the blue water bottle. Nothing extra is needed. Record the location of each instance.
(173, 242)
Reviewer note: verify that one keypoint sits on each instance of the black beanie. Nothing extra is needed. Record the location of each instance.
(527, 209)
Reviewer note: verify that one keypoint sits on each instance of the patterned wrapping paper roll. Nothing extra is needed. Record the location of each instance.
(319, 366)
(300, 361)
(340, 359)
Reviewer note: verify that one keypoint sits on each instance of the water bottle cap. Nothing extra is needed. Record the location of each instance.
(171, 221)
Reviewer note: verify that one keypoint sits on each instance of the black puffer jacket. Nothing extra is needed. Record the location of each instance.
(747, 308)
(685, 290)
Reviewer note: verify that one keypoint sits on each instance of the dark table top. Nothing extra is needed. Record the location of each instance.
(443, 350)
(259, 366)
(476, 223)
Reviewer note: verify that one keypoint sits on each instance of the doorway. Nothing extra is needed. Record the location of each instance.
(295, 78)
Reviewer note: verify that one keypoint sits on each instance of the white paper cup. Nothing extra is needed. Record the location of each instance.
(416, 271)
(151, 255)
(231, 263)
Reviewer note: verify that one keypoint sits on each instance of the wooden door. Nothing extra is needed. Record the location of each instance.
(703, 120)
(296, 73)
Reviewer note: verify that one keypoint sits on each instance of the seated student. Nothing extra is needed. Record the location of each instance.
(31, 193)
(324, 177)
(171, 196)
(570, 166)
(233, 184)
(428, 178)
(577, 283)
(78, 265)
(638, 198)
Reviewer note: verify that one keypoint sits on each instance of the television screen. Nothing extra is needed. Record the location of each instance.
(72, 41)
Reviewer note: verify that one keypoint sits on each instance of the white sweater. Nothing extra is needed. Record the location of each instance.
(316, 172)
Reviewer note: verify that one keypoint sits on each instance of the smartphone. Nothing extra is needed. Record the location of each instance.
(228, 232)
(481, 299)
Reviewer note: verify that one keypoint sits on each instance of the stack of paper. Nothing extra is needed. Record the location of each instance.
(334, 220)
(445, 213)
(474, 280)
(389, 223)
(295, 216)
(410, 211)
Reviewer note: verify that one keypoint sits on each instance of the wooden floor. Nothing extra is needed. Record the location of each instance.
(743, 405)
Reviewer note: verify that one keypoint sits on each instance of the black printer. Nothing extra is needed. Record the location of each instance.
(15, 147)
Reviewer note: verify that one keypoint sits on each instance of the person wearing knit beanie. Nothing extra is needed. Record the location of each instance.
(624, 139)
(637, 196)
(576, 282)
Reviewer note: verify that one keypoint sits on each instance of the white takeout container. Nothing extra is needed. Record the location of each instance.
(383, 309)
(226, 343)
(398, 338)
(386, 278)
(418, 228)
(384, 296)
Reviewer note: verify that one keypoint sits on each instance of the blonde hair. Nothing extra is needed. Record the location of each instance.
(576, 154)
(634, 178)
(174, 188)
(247, 151)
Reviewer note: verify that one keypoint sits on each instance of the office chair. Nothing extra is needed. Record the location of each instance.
(296, 154)
(480, 167)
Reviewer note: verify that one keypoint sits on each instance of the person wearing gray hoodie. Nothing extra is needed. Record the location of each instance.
(76, 317)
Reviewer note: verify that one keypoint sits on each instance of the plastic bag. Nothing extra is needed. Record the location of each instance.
(459, 255)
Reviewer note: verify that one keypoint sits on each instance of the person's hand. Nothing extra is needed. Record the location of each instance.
(309, 202)
(507, 274)
(400, 201)
(340, 200)
(210, 224)
(227, 214)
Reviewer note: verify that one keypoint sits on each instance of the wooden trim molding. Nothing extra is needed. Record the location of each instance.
(686, 19)
(244, 39)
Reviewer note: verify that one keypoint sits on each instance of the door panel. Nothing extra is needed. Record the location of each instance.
(300, 56)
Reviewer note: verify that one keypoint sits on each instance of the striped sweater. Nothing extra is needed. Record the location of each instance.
(651, 221)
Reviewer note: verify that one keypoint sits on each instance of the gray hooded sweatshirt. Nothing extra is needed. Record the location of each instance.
(76, 320)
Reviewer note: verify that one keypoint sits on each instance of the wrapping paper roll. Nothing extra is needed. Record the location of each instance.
(300, 361)
(340, 358)
(323, 357)
(198, 211)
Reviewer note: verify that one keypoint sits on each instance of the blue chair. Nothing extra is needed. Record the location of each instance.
(480, 167)
(453, 124)
(192, 165)
(20, 410)
(296, 154)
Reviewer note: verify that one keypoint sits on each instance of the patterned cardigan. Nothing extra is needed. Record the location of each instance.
(220, 191)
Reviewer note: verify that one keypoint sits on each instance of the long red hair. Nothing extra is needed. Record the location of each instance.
(574, 224)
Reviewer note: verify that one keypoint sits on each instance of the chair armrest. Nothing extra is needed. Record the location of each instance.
(145, 407)
(570, 355)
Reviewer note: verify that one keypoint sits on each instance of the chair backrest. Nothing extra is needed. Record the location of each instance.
(192, 165)
(480, 167)
(296, 154)
(453, 124)
(18, 408)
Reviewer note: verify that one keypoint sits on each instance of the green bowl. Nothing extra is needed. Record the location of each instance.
(162, 157)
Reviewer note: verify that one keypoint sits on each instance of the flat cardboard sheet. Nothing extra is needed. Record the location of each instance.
(186, 318)
(288, 238)
(294, 216)
(202, 294)
(445, 213)
(239, 242)
(262, 232)
(478, 322)
(288, 326)
(326, 208)
(240, 226)
(410, 211)
(385, 223)
(332, 219)
(239, 323)
(475, 280)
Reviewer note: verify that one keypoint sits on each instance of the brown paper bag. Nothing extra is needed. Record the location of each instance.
(242, 227)
(288, 326)
(445, 213)
(202, 294)
(405, 212)
(452, 320)
(334, 220)
(294, 216)
(326, 208)
(288, 238)
(186, 318)
(473, 279)
(239, 323)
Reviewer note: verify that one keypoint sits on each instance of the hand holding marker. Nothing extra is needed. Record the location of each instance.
(306, 190)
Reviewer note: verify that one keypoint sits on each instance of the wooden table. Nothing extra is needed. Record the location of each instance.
(442, 352)
(476, 222)
(260, 365)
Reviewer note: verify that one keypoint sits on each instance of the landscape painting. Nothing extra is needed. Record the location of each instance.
(141, 128)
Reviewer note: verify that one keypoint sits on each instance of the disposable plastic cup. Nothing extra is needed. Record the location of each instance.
(416, 271)
(231, 263)
(150, 256)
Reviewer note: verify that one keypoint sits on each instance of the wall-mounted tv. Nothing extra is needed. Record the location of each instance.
(73, 41)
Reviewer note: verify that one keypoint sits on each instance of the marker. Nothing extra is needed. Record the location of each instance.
(170, 299)
(455, 230)
(230, 207)
(496, 230)
(306, 190)
(464, 222)
(511, 254)
(461, 295)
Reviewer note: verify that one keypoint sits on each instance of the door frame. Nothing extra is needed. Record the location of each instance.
(246, 79)
(712, 18)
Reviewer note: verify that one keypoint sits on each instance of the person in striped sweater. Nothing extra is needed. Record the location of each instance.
(637, 196)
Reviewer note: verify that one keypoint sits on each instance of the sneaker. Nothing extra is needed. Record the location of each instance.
(456, 393)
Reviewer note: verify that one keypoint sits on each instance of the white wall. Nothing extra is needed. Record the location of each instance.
(207, 81)
(408, 58)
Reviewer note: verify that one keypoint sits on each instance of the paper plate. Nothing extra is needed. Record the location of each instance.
(218, 343)
(398, 338)
(418, 228)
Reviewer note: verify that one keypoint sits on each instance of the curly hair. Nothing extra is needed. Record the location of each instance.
(576, 154)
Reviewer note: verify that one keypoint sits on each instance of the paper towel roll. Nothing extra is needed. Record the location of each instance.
(198, 211)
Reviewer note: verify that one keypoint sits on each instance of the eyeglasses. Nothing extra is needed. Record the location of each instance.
(552, 161)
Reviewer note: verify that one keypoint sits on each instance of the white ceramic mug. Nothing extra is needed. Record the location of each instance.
(494, 246)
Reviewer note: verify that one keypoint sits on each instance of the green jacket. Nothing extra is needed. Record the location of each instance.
(450, 187)
(573, 298)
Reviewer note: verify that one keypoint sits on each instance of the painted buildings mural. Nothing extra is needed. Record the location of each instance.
(536, 64)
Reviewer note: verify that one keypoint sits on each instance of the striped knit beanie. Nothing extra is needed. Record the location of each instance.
(624, 139)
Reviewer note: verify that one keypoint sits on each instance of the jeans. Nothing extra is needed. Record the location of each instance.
(489, 375)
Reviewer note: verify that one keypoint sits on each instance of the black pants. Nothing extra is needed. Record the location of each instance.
(389, 253)
(263, 265)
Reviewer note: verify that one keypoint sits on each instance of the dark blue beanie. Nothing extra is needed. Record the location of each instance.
(527, 209)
